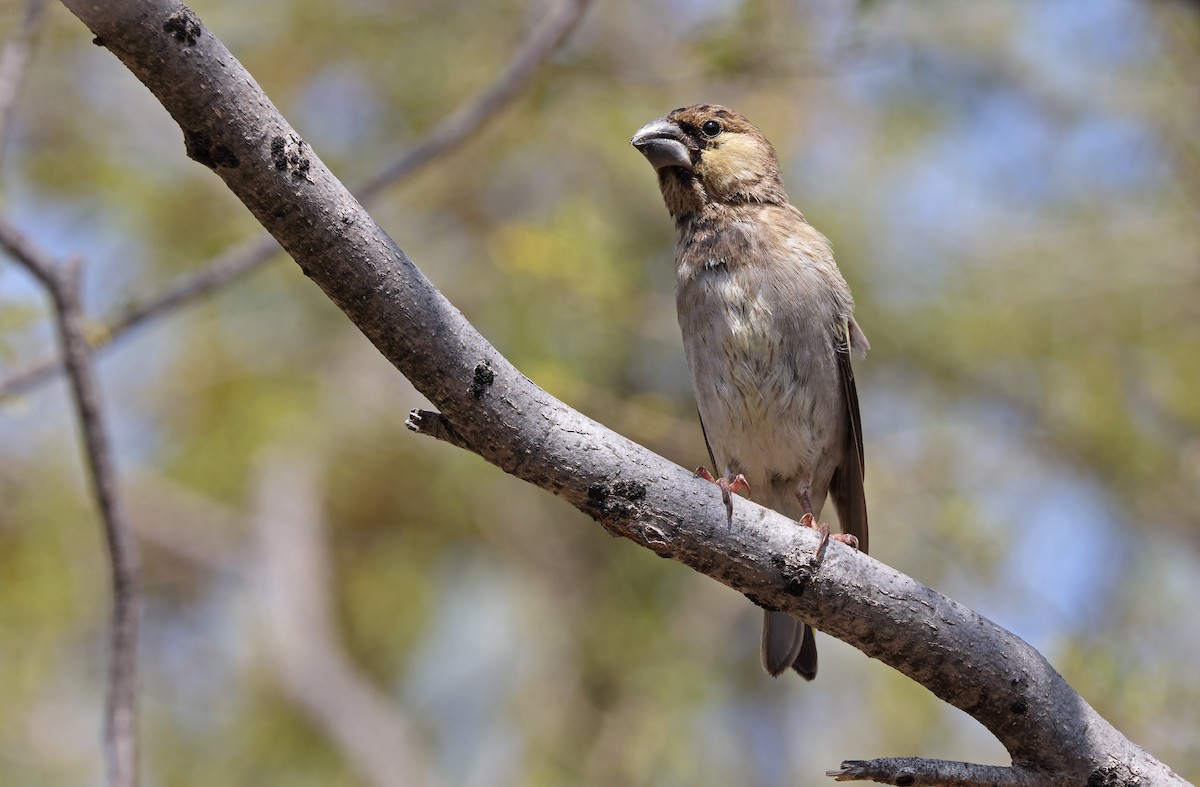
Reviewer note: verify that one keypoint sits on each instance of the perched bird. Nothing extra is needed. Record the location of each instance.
(768, 330)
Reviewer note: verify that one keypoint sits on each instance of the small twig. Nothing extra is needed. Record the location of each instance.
(251, 255)
(62, 284)
(434, 424)
(13, 60)
(224, 270)
(458, 126)
(916, 771)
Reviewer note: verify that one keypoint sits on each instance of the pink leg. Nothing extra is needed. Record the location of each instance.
(728, 487)
(808, 520)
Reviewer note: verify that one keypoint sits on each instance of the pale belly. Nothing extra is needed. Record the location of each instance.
(768, 390)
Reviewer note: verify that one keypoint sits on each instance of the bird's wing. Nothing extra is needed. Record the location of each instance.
(846, 488)
(717, 471)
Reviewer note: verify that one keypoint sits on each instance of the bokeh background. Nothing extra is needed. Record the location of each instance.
(1012, 190)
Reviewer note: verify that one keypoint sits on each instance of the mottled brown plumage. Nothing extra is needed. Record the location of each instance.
(768, 330)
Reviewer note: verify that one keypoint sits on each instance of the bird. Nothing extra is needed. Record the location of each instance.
(768, 331)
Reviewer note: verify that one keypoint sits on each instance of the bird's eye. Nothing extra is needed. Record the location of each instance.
(710, 128)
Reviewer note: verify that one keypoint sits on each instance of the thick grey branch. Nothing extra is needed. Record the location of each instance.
(230, 126)
(120, 719)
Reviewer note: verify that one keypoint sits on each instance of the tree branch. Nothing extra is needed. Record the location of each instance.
(13, 61)
(455, 129)
(242, 260)
(293, 565)
(915, 771)
(120, 718)
(229, 125)
(286, 562)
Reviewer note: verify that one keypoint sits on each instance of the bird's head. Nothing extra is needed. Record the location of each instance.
(708, 154)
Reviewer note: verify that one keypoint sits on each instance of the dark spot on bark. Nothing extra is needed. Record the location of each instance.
(197, 144)
(904, 780)
(630, 490)
(300, 166)
(184, 26)
(296, 161)
(1019, 707)
(597, 500)
(482, 380)
(279, 153)
(1116, 774)
(797, 584)
(98, 41)
(201, 149)
(798, 576)
(224, 157)
(612, 502)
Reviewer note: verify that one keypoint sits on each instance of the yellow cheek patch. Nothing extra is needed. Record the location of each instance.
(735, 159)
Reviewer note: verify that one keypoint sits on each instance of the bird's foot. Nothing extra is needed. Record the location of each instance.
(728, 487)
(808, 520)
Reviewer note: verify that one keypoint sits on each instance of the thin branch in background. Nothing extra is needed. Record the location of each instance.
(62, 284)
(543, 40)
(287, 565)
(1177, 123)
(226, 269)
(253, 254)
(13, 61)
(292, 563)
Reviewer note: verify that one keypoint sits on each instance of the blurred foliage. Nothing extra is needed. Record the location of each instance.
(1012, 191)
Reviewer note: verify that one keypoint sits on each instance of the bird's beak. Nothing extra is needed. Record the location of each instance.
(661, 142)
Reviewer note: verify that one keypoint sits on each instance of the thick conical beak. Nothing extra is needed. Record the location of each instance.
(661, 142)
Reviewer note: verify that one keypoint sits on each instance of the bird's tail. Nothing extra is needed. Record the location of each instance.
(788, 642)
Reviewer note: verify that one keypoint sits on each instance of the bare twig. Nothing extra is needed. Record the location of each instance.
(251, 255)
(226, 269)
(288, 563)
(549, 34)
(1177, 121)
(62, 284)
(916, 771)
(12, 66)
(293, 563)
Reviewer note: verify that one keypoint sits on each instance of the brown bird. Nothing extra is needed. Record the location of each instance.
(768, 330)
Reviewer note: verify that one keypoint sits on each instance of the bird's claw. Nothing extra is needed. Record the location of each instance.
(808, 520)
(728, 488)
(847, 539)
